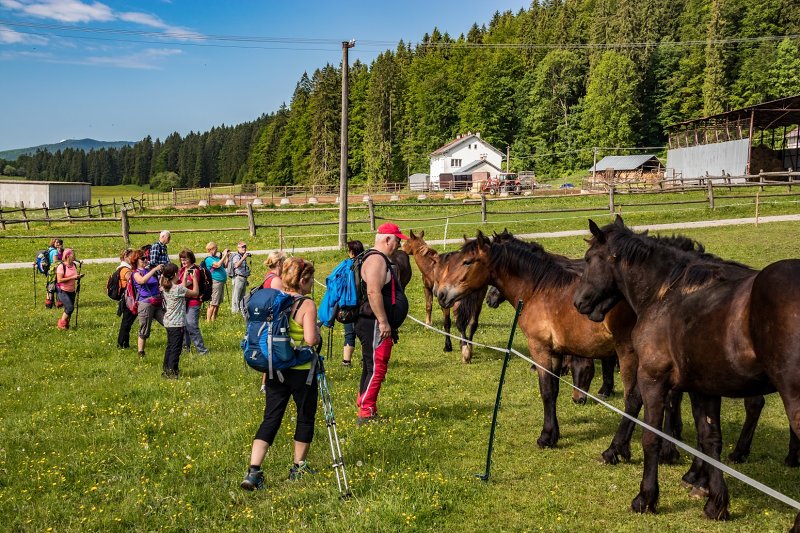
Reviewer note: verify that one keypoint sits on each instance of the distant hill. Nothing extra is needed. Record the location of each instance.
(79, 144)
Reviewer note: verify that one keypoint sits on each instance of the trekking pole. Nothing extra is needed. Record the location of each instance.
(333, 436)
(485, 475)
(77, 293)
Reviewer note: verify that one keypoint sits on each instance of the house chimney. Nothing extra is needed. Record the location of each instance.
(478, 134)
(469, 133)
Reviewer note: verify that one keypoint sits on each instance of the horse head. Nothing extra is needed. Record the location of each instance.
(414, 242)
(597, 293)
(494, 297)
(460, 273)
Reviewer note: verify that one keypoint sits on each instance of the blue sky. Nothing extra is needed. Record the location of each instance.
(122, 70)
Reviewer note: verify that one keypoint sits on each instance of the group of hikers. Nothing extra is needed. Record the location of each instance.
(171, 295)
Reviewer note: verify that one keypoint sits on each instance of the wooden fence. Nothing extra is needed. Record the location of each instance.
(614, 201)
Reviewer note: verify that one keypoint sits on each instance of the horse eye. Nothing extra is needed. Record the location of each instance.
(467, 263)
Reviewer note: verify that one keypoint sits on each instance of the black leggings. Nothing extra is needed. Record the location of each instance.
(128, 318)
(278, 394)
(172, 353)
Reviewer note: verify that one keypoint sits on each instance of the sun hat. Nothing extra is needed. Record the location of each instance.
(389, 228)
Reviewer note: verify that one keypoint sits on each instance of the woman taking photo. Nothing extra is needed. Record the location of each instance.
(190, 278)
(148, 296)
(298, 278)
(175, 296)
(66, 274)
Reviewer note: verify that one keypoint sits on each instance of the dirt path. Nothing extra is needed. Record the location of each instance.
(544, 235)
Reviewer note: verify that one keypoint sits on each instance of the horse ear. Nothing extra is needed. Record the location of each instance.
(597, 232)
(421, 233)
(619, 222)
(411, 233)
(481, 238)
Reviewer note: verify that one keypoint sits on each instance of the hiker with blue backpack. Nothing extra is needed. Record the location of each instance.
(298, 382)
(354, 249)
(274, 264)
(53, 255)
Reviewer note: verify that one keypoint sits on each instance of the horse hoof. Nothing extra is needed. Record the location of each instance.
(545, 442)
(448, 348)
(686, 485)
(714, 513)
(698, 493)
(640, 505)
(608, 457)
(737, 457)
(791, 461)
(579, 401)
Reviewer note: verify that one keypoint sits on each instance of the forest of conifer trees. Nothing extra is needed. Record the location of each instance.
(550, 82)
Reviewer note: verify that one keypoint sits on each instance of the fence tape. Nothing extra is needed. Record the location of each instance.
(725, 468)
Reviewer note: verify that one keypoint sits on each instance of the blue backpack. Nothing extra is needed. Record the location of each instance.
(340, 293)
(267, 346)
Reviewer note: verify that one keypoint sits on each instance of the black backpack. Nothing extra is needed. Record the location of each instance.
(113, 289)
(205, 288)
(398, 304)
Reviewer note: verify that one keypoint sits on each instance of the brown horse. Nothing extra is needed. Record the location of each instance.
(710, 327)
(546, 283)
(466, 312)
(582, 368)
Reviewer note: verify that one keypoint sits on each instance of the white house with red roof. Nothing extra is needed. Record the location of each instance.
(464, 155)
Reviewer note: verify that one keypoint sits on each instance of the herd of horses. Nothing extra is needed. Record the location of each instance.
(676, 319)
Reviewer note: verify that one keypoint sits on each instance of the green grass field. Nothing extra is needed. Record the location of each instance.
(94, 439)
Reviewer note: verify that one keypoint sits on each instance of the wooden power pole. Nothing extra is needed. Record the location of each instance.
(346, 45)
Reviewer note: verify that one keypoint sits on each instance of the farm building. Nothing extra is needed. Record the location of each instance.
(745, 141)
(627, 168)
(461, 157)
(35, 193)
(419, 182)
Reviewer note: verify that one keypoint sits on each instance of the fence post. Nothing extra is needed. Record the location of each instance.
(761, 179)
(371, 206)
(125, 226)
(24, 215)
(2, 222)
(483, 208)
(611, 199)
(100, 208)
(114, 206)
(710, 186)
(46, 213)
(66, 210)
(791, 179)
(251, 221)
(758, 204)
(280, 238)
(174, 197)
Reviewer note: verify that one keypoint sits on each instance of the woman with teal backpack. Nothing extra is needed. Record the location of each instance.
(298, 278)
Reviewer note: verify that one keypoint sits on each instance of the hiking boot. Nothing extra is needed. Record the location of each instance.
(141, 354)
(253, 480)
(364, 420)
(347, 363)
(62, 324)
(48, 303)
(263, 389)
(59, 304)
(299, 470)
(204, 353)
(169, 374)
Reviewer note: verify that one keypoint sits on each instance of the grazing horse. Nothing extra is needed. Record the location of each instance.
(710, 327)
(581, 367)
(552, 325)
(466, 312)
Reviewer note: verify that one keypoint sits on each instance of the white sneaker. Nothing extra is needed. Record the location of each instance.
(263, 389)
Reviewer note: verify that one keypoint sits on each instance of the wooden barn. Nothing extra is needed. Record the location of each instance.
(627, 168)
(741, 142)
(52, 193)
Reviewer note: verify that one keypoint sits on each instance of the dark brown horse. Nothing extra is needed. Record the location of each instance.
(466, 312)
(710, 327)
(582, 368)
(546, 283)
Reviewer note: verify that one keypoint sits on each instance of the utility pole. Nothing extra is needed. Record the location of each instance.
(346, 45)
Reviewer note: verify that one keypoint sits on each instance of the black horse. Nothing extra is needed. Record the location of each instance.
(709, 327)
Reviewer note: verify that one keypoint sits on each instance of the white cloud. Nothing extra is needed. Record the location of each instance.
(62, 10)
(149, 59)
(9, 36)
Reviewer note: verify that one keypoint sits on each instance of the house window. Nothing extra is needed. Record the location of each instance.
(455, 162)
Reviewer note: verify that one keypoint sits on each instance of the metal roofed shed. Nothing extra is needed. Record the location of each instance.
(419, 182)
(740, 142)
(626, 168)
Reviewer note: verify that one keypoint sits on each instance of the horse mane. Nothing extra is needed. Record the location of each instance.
(693, 267)
(544, 270)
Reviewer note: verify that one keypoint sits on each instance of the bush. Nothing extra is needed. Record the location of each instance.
(165, 181)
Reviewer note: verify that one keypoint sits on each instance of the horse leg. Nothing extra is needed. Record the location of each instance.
(696, 478)
(673, 426)
(469, 332)
(710, 435)
(752, 408)
(794, 450)
(448, 344)
(621, 443)
(607, 388)
(428, 304)
(654, 394)
(548, 388)
(582, 376)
